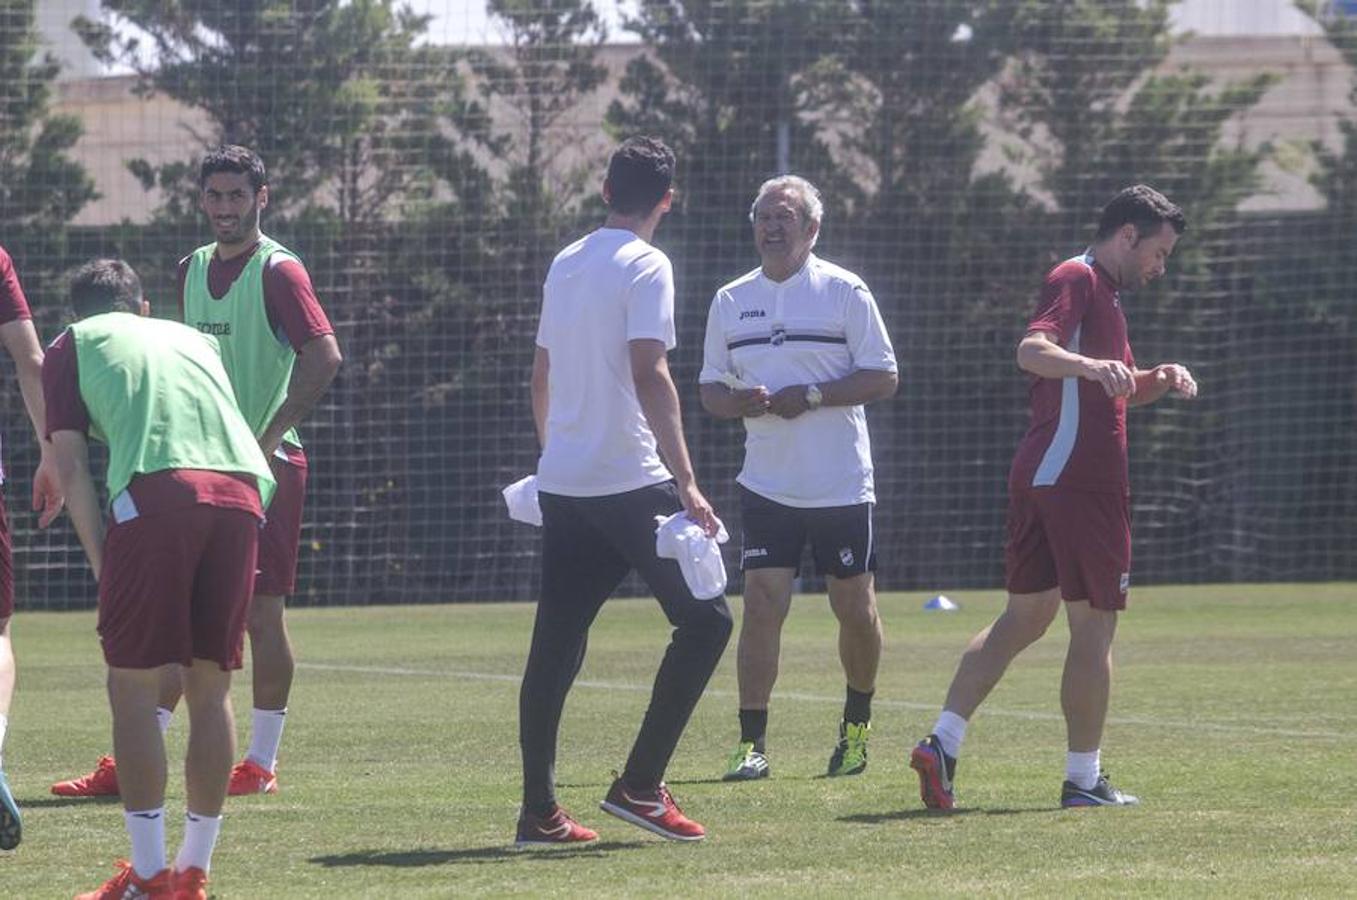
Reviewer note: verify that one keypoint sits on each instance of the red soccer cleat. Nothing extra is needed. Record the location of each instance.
(554, 830)
(653, 810)
(102, 782)
(249, 777)
(127, 886)
(935, 770)
(190, 884)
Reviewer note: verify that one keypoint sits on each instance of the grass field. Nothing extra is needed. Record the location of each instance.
(1234, 718)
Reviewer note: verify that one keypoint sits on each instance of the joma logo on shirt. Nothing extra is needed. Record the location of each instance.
(752, 314)
(214, 327)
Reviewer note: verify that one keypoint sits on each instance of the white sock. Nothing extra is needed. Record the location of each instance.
(147, 831)
(266, 733)
(1083, 768)
(4, 724)
(162, 718)
(200, 836)
(950, 730)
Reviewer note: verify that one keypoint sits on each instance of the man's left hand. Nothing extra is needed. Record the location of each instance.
(789, 402)
(1180, 381)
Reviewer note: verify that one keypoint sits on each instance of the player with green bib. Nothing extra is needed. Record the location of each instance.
(187, 489)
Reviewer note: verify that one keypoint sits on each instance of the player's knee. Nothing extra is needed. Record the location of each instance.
(265, 619)
(1093, 628)
(710, 622)
(1031, 615)
(1033, 628)
(762, 612)
(856, 612)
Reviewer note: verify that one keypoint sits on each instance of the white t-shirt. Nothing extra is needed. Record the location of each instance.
(606, 289)
(819, 325)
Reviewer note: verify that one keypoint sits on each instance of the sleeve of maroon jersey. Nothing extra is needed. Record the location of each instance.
(1064, 300)
(66, 410)
(13, 303)
(291, 303)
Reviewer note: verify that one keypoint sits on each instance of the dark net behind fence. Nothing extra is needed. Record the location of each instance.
(963, 147)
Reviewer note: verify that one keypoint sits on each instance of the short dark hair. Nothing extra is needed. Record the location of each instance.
(105, 285)
(237, 159)
(640, 172)
(1142, 206)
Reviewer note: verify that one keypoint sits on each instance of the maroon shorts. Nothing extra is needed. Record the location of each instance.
(176, 587)
(281, 537)
(1077, 540)
(6, 565)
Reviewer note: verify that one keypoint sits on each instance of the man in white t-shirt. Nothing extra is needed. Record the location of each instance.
(606, 411)
(795, 348)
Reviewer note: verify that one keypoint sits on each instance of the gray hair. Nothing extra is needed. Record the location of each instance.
(806, 196)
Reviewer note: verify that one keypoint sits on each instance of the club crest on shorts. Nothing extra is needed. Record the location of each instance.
(846, 555)
(1125, 582)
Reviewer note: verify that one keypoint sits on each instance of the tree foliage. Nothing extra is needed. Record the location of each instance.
(339, 98)
(41, 187)
(722, 85)
(1090, 92)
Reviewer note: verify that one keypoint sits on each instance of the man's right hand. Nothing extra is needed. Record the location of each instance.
(750, 403)
(47, 496)
(1116, 379)
(698, 509)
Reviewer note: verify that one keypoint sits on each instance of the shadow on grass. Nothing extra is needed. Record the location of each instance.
(908, 814)
(53, 802)
(402, 859)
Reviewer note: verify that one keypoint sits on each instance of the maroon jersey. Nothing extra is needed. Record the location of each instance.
(1077, 435)
(13, 303)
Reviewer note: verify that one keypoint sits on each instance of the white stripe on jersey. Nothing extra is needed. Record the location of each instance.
(1062, 445)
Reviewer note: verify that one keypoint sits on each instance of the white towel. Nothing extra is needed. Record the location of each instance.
(699, 556)
(521, 498)
(733, 381)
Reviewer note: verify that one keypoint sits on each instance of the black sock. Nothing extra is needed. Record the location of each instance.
(857, 709)
(754, 727)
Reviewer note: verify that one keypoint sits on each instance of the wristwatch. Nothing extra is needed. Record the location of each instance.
(813, 396)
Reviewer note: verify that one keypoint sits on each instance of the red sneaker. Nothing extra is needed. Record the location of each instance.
(102, 782)
(249, 777)
(127, 886)
(190, 884)
(553, 830)
(653, 810)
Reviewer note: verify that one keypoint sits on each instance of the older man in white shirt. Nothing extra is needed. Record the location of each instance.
(796, 348)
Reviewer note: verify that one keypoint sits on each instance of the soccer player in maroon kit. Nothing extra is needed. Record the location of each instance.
(234, 194)
(1069, 520)
(20, 340)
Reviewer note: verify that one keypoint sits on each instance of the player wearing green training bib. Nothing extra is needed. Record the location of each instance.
(187, 488)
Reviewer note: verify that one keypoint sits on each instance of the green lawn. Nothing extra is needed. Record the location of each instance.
(1234, 718)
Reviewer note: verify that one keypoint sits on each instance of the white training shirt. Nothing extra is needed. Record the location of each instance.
(606, 289)
(819, 325)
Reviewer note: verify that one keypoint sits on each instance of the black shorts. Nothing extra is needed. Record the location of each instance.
(774, 536)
